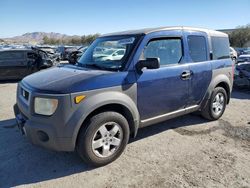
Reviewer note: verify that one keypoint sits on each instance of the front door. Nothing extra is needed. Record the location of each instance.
(163, 90)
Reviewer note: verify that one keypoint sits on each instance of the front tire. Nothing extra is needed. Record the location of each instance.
(216, 105)
(103, 139)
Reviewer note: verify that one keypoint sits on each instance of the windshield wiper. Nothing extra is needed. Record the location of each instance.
(96, 66)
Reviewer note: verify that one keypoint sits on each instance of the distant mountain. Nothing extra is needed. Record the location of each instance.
(34, 37)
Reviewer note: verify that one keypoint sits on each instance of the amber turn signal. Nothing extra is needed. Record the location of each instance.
(79, 98)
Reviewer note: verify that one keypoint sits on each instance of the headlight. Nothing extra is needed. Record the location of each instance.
(45, 106)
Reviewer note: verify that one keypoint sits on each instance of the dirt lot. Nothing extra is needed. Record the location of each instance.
(183, 152)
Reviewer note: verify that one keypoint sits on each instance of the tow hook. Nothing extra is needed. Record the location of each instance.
(20, 123)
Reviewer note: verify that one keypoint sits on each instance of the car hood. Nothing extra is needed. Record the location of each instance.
(70, 79)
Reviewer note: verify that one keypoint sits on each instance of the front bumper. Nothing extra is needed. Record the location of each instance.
(43, 135)
(51, 132)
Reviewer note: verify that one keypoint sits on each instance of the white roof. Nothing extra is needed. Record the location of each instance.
(151, 30)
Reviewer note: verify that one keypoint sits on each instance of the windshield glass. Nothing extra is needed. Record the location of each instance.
(105, 52)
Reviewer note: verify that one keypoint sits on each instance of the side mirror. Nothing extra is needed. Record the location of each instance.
(149, 63)
(211, 55)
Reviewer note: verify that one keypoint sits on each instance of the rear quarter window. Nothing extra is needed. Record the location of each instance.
(220, 47)
(197, 48)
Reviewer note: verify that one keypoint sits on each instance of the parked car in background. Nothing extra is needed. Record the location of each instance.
(95, 106)
(242, 75)
(67, 52)
(243, 58)
(51, 52)
(64, 51)
(17, 63)
(47, 49)
(111, 54)
(246, 51)
(240, 51)
(7, 47)
(60, 50)
(233, 54)
(100, 49)
(75, 55)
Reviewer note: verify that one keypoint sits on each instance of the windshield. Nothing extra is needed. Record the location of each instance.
(103, 53)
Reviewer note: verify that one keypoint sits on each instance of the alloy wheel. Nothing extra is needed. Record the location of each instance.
(218, 104)
(107, 139)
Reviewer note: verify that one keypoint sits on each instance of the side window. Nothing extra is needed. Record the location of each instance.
(169, 51)
(5, 55)
(197, 48)
(11, 58)
(9, 55)
(16, 55)
(220, 47)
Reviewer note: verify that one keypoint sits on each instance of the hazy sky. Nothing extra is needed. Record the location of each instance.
(103, 16)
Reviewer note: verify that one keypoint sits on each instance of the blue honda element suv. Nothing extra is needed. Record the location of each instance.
(125, 81)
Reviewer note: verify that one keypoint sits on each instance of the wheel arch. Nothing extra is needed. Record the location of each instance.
(221, 80)
(122, 104)
(119, 108)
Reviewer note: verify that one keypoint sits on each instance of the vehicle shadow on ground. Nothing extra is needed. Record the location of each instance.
(23, 163)
(9, 123)
(182, 121)
(241, 94)
(9, 81)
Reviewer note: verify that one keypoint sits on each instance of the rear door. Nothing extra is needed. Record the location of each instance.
(199, 64)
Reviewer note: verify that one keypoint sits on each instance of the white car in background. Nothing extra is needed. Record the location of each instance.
(233, 54)
(111, 55)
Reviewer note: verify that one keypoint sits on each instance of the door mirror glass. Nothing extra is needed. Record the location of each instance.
(149, 63)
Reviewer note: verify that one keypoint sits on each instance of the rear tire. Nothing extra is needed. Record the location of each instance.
(216, 105)
(103, 139)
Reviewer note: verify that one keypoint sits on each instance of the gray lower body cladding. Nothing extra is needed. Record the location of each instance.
(59, 132)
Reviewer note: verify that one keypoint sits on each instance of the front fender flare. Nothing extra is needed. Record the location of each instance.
(96, 101)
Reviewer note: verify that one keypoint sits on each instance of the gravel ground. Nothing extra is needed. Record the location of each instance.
(184, 152)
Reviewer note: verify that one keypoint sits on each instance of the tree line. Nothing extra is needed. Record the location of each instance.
(240, 37)
(71, 40)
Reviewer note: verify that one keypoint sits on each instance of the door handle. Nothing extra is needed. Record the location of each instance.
(185, 75)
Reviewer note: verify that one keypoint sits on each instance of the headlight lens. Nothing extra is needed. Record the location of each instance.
(45, 106)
